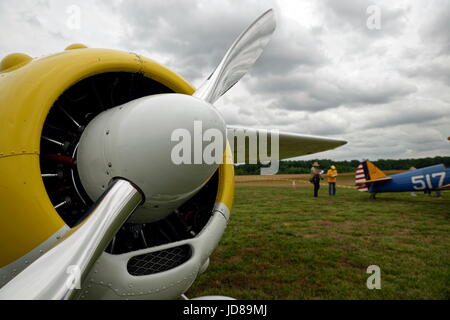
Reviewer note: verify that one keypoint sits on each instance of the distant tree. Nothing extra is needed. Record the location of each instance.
(303, 166)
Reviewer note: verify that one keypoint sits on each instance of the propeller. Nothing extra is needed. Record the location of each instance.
(241, 56)
(135, 141)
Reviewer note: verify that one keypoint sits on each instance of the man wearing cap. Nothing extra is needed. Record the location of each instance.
(413, 194)
(316, 177)
(332, 174)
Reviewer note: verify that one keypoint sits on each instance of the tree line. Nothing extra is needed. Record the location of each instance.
(303, 166)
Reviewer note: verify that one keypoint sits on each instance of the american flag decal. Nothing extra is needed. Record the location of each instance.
(361, 177)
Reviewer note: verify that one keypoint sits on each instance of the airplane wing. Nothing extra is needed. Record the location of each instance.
(373, 180)
(290, 144)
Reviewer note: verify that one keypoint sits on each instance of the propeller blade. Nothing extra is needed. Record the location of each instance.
(55, 274)
(289, 144)
(239, 58)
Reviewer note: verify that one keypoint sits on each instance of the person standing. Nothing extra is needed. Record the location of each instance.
(413, 194)
(331, 175)
(316, 177)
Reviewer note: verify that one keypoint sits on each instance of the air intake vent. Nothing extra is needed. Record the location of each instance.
(159, 261)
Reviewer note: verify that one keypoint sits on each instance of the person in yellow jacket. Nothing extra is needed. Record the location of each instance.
(331, 175)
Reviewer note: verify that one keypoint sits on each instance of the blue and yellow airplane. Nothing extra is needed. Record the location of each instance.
(371, 179)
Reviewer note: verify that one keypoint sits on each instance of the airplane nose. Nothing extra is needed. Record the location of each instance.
(168, 145)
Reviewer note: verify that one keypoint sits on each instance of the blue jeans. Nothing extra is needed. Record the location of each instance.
(332, 188)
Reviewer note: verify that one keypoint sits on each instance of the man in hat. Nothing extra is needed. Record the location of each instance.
(331, 175)
(316, 177)
(413, 194)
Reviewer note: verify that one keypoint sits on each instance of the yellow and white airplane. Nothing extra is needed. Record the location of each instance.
(91, 204)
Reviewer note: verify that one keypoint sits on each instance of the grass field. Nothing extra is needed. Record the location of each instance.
(281, 243)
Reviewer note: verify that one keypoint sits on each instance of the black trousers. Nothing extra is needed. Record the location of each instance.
(316, 189)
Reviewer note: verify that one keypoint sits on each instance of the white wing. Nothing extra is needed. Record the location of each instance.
(290, 144)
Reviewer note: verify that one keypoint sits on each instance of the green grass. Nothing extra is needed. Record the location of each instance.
(281, 243)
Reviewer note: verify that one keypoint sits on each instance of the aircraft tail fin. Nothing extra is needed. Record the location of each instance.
(374, 172)
(361, 177)
(367, 173)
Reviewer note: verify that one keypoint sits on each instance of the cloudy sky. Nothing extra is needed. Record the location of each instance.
(332, 68)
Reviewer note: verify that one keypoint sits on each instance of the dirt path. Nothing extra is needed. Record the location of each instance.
(295, 180)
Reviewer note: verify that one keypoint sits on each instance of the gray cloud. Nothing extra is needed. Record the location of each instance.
(435, 31)
(314, 92)
(437, 69)
(411, 112)
(290, 50)
(194, 36)
(351, 15)
(324, 73)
